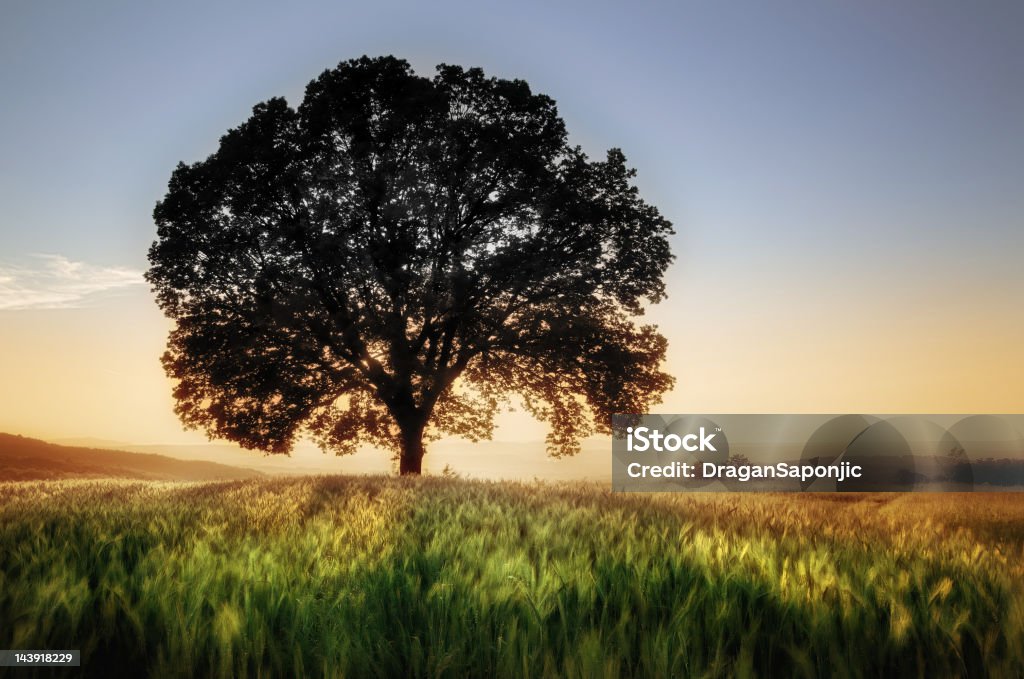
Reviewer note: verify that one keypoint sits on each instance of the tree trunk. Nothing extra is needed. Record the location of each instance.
(411, 459)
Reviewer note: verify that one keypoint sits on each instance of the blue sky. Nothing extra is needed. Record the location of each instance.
(790, 125)
(834, 170)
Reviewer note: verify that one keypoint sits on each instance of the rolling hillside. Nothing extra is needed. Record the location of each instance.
(23, 459)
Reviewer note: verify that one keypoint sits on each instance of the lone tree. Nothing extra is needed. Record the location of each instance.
(391, 260)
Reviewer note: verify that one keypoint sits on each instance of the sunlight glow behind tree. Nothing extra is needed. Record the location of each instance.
(393, 259)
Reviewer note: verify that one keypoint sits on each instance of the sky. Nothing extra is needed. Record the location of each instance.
(846, 181)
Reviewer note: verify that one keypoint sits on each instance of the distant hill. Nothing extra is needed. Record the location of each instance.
(23, 459)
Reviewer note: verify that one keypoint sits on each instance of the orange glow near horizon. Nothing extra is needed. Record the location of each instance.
(94, 372)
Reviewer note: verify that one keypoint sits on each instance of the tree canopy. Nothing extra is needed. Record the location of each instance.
(390, 261)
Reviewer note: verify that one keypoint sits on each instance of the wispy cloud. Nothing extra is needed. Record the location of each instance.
(56, 282)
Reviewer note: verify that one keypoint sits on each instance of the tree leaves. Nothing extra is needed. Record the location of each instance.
(340, 266)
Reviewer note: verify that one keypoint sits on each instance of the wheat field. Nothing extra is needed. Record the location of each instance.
(435, 577)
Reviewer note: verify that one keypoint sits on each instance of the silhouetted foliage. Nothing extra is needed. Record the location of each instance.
(389, 261)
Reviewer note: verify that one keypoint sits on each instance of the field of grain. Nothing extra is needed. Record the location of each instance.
(432, 577)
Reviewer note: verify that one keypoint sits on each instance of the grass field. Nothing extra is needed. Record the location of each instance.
(435, 577)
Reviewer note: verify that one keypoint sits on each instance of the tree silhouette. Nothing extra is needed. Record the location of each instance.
(739, 460)
(391, 260)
